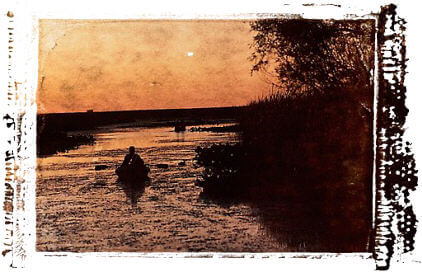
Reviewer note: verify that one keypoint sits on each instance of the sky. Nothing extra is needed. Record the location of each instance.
(108, 65)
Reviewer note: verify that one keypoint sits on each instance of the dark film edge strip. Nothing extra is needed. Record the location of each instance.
(395, 164)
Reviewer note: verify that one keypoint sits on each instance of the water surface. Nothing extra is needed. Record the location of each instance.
(80, 209)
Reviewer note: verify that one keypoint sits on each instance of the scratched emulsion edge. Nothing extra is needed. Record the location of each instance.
(18, 137)
(395, 164)
(9, 132)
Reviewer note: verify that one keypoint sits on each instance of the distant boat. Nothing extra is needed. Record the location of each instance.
(180, 126)
(90, 111)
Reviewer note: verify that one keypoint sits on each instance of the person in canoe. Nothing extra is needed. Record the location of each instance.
(133, 166)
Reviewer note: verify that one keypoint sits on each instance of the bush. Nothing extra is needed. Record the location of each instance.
(222, 164)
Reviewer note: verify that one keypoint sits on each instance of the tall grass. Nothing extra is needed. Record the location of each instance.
(315, 148)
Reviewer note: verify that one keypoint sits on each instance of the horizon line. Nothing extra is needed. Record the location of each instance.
(168, 109)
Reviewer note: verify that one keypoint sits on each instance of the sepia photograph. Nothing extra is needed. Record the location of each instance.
(205, 135)
(149, 133)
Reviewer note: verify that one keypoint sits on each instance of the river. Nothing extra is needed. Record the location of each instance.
(80, 209)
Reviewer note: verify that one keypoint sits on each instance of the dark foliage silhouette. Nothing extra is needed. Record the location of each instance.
(309, 143)
(314, 55)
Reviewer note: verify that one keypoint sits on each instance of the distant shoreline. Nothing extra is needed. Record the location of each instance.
(91, 120)
(89, 111)
(65, 131)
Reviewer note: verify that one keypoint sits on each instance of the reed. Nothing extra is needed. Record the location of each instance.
(315, 147)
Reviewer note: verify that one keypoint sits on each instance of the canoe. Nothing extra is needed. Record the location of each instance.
(130, 174)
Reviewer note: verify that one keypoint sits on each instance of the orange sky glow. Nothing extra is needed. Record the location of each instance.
(145, 64)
